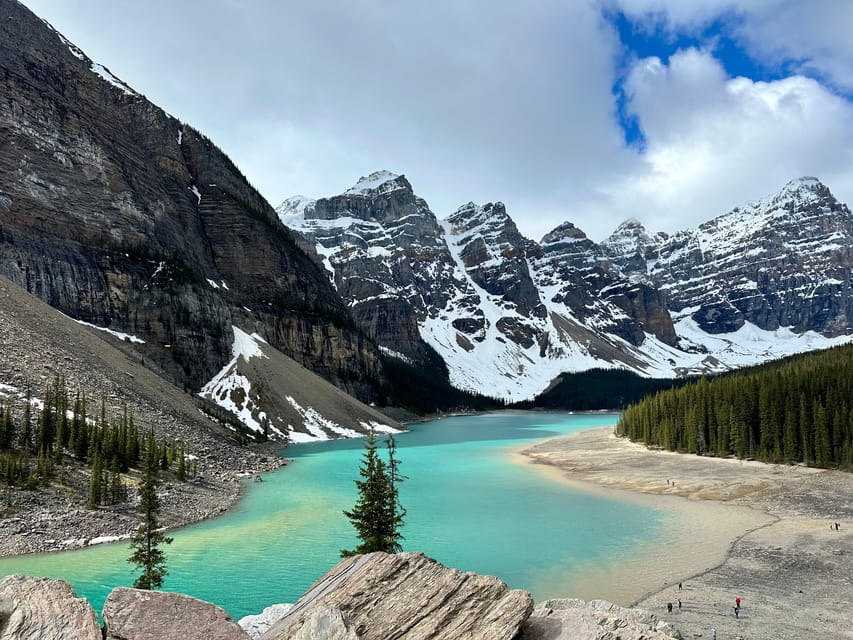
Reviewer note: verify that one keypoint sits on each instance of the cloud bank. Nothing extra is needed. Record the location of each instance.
(490, 100)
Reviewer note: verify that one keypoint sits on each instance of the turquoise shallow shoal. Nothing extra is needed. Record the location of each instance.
(468, 506)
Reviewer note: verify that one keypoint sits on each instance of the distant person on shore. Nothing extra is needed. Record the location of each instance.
(669, 607)
(679, 586)
(679, 604)
(737, 612)
(713, 633)
(737, 602)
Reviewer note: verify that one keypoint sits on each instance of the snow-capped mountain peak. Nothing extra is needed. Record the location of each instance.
(507, 315)
(294, 206)
(379, 181)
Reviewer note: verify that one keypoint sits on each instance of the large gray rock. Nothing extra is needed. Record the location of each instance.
(573, 619)
(135, 614)
(408, 595)
(44, 609)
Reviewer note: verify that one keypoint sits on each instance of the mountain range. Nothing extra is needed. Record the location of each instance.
(136, 226)
(509, 315)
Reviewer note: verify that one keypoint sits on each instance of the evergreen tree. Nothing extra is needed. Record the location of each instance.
(377, 515)
(25, 438)
(145, 544)
(397, 513)
(95, 488)
(182, 464)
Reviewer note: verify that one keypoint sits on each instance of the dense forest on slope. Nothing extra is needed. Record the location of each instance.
(796, 410)
(598, 389)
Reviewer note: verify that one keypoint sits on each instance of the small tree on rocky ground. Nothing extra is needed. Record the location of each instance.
(145, 544)
(377, 515)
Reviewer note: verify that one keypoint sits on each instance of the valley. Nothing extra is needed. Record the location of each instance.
(143, 270)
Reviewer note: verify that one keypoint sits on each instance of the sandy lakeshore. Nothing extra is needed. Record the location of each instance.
(756, 531)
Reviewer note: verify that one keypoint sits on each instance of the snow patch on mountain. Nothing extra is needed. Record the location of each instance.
(233, 391)
(321, 428)
(116, 334)
(294, 207)
(373, 182)
(750, 344)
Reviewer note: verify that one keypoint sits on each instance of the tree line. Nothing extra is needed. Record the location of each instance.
(35, 444)
(796, 410)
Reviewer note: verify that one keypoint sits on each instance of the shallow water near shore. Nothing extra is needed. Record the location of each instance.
(469, 506)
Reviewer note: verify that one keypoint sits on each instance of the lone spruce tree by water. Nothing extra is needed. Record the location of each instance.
(377, 515)
(145, 544)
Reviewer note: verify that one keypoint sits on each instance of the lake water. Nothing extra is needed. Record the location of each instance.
(469, 506)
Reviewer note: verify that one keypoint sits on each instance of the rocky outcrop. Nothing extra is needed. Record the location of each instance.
(572, 619)
(573, 269)
(134, 614)
(373, 596)
(408, 595)
(44, 609)
(116, 213)
(495, 255)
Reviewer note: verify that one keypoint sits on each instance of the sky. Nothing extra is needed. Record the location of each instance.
(588, 111)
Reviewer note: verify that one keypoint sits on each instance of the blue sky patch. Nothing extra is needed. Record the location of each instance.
(654, 37)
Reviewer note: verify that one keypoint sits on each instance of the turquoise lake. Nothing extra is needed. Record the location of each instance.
(469, 506)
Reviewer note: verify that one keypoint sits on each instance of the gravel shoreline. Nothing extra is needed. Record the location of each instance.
(794, 573)
(56, 518)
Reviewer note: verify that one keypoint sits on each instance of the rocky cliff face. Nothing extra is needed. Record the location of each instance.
(385, 252)
(116, 213)
(782, 261)
(508, 314)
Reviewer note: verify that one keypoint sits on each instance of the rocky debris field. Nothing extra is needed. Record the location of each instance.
(56, 519)
(38, 344)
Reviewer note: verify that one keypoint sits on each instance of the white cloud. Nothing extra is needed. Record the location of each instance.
(714, 142)
(811, 37)
(816, 34)
(487, 100)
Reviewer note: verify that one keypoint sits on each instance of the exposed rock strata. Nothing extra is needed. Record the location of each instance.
(410, 596)
(44, 609)
(781, 261)
(118, 214)
(366, 597)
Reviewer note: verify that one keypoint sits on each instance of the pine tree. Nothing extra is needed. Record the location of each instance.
(25, 438)
(377, 515)
(95, 488)
(182, 464)
(145, 544)
(397, 513)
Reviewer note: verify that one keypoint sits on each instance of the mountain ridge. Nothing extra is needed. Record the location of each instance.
(119, 215)
(512, 314)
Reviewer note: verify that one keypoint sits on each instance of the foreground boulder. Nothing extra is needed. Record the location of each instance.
(44, 609)
(379, 596)
(573, 619)
(134, 614)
